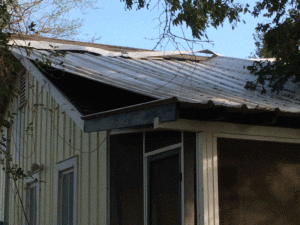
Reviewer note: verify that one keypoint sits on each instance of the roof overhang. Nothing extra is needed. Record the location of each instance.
(172, 110)
(133, 116)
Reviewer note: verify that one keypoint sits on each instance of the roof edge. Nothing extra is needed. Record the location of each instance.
(145, 105)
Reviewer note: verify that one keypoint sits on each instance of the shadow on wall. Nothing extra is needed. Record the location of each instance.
(259, 182)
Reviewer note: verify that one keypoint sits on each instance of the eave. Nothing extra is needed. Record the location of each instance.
(133, 116)
(172, 110)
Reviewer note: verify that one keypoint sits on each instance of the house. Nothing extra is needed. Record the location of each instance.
(117, 135)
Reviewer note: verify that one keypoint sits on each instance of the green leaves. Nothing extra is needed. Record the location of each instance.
(15, 171)
(197, 14)
(279, 40)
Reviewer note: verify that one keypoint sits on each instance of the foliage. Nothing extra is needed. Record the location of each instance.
(260, 51)
(20, 18)
(31, 17)
(8, 65)
(198, 15)
(13, 171)
(49, 18)
(279, 39)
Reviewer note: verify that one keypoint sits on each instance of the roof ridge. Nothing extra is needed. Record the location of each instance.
(73, 42)
(58, 46)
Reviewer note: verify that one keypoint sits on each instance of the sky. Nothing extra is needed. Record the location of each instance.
(116, 26)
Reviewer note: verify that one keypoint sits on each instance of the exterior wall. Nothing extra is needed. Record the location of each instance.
(207, 157)
(46, 134)
(43, 133)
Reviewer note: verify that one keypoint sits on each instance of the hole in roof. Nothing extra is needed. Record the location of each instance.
(90, 96)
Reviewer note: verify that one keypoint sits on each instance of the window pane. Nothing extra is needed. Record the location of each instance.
(67, 198)
(164, 190)
(71, 197)
(190, 193)
(65, 195)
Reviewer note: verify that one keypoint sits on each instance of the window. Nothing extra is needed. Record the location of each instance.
(32, 200)
(153, 178)
(66, 191)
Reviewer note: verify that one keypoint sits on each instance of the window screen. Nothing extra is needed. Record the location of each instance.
(164, 187)
(190, 189)
(259, 182)
(127, 184)
(126, 179)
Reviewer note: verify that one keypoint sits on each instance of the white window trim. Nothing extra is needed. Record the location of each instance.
(70, 163)
(35, 178)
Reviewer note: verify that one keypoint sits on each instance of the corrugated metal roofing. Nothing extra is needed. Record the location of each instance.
(218, 78)
(43, 45)
(112, 48)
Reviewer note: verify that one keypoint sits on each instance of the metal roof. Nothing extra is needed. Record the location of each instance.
(218, 79)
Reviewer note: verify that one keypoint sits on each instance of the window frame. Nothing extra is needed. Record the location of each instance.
(66, 166)
(146, 155)
(32, 181)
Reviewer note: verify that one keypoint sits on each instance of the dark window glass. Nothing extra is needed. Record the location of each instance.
(165, 188)
(159, 139)
(190, 193)
(126, 179)
(67, 198)
(71, 197)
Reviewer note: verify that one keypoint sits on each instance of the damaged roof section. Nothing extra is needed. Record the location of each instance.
(43, 41)
(89, 96)
(218, 79)
(104, 50)
(206, 85)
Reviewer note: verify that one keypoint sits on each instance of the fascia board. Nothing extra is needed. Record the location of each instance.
(140, 117)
